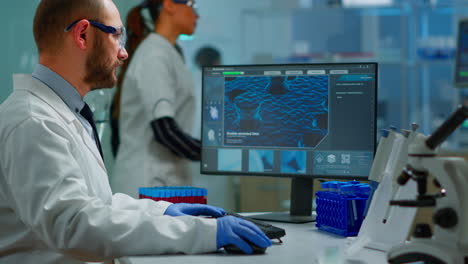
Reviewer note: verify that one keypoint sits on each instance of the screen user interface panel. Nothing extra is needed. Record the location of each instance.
(283, 120)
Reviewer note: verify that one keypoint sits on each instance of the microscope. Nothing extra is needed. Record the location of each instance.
(448, 243)
(386, 226)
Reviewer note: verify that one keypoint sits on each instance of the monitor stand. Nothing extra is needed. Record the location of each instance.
(301, 204)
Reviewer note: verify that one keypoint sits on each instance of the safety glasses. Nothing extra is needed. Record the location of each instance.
(120, 33)
(186, 2)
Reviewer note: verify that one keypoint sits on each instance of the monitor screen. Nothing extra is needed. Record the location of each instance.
(461, 61)
(297, 120)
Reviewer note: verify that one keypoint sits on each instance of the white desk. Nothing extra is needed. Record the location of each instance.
(303, 243)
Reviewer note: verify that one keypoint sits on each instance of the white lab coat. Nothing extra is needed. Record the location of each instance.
(56, 204)
(157, 84)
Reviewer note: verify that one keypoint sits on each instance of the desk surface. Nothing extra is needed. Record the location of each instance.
(303, 243)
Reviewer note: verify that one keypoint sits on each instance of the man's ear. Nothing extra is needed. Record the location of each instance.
(81, 34)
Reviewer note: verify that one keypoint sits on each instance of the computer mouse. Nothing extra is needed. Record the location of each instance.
(232, 249)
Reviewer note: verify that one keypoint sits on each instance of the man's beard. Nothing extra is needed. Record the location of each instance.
(100, 71)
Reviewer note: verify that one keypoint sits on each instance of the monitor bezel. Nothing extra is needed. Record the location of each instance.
(286, 175)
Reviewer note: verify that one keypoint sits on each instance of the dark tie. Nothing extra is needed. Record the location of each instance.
(86, 113)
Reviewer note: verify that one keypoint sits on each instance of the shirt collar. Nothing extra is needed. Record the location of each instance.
(60, 86)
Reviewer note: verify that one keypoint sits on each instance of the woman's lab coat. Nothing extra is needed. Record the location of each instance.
(56, 205)
(157, 84)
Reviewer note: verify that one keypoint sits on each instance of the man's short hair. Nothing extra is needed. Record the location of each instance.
(53, 16)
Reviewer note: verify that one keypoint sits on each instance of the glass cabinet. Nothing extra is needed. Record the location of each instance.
(414, 44)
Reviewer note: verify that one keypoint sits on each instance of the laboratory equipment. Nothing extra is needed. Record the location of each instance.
(341, 211)
(302, 121)
(385, 226)
(380, 162)
(448, 244)
(174, 194)
(401, 158)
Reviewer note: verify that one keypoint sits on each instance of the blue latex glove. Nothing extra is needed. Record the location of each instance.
(179, 209)
(236, 231)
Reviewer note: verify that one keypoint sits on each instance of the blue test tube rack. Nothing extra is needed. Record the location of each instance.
(341, 206)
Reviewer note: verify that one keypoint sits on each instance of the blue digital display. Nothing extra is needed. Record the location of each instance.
(309, 120)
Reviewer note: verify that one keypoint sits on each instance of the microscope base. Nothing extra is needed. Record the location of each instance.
(426, 251)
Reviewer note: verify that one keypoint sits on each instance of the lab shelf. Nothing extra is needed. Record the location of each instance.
(411, 88)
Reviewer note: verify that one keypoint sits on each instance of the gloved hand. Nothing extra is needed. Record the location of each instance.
(179, 209)
(236, 231)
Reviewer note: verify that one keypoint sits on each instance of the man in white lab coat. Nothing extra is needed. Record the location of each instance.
(56, 205)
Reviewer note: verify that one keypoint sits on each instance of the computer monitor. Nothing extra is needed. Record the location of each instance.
(302, 121)
(461, 60)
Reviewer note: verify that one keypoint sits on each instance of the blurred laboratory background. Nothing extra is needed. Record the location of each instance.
(414, 42)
